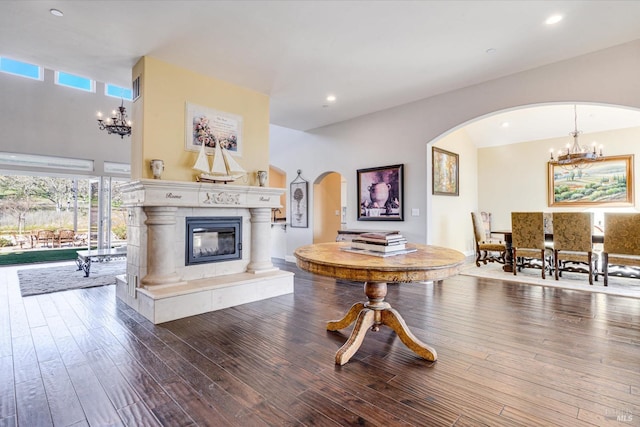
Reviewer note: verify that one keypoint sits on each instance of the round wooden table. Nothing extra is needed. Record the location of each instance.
(427, 263)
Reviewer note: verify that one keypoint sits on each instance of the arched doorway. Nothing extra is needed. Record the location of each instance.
(329, 198)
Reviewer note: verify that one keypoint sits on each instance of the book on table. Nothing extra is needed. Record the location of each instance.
(378, 247)
(393, 241)
(381, 235)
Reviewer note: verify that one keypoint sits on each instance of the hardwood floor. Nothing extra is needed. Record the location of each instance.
(508, 355)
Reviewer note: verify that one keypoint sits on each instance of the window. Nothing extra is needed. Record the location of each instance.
(118, 92)
(19, 68)
(76, 82)
(34, 160)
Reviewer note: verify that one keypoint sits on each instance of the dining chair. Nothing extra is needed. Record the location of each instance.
(572, 246)
(487, 250)
(527, 246)
(621, 251)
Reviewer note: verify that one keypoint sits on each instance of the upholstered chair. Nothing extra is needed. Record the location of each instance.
(572, 246)
(487, 250)
(527, 231)
(621, 252)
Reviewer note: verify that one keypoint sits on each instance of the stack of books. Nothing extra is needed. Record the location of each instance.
(384, 243)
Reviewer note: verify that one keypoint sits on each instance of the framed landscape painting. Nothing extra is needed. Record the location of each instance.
(445, 172)
(604, 182)
(380, 193)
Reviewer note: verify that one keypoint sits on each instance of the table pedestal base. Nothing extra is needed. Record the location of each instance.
(371, 315)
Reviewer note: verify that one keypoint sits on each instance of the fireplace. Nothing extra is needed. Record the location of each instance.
(213, 239)
(162, 283)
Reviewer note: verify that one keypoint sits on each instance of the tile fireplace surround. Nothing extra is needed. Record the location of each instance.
(159, 285)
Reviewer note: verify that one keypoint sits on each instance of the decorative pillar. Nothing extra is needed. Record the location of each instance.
(260, 241)
(161, 268)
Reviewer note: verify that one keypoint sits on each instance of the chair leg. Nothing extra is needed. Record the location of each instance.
(515, 261)
(543, 267)
(605, 268)
(555, 263)
(477, 258)
(590, 269)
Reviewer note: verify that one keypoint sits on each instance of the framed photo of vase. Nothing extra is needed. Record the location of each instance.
(207, 126)
(380, 193)
(299, 202)
(607, 181)
(445, 170)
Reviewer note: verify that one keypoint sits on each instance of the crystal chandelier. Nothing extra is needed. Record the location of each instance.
(576, 156)
(117, 124)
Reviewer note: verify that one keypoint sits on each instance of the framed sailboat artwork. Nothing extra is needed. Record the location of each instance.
(206, 126)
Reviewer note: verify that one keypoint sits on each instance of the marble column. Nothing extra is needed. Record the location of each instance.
(161, 268)
(260, 241)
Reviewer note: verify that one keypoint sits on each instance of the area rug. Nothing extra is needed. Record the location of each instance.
(573, 281)
(43, 280)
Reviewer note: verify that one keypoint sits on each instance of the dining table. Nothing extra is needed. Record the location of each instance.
(508, 240)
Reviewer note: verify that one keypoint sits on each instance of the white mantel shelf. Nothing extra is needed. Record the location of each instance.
(160, 285)
(154, 192)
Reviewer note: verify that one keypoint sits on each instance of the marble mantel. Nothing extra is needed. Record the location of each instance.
(159, 285)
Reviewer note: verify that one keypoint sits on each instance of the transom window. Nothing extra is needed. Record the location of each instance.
(73, 81)
(118, 92)
(19, 68)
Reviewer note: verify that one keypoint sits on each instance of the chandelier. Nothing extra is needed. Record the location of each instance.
(117, 124)
(576, 156)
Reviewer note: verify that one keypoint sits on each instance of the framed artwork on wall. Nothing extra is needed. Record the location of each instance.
(604, 182)
(380, 193)
(299, 202)
(445, 170)
(207, 126)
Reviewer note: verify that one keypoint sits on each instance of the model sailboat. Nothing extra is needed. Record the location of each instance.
(224, 169)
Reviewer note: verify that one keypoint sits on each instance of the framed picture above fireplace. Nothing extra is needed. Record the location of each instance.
(205, 126)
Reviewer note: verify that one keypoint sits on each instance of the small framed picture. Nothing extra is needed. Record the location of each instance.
(380, 193)
(207, 126)
(299, 202)
(445, 171)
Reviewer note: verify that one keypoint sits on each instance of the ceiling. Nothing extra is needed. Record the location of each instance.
(372, 55)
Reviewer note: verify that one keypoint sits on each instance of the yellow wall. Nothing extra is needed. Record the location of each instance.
(277, 179)
(159, 120)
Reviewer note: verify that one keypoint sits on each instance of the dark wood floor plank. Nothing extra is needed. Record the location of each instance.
(63, 401)
(7, 388)
(96, 404)
(138, 414)
(32, 405)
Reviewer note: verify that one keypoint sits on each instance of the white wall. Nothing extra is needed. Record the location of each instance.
(402, 134)
(451, 221)
(40, 117)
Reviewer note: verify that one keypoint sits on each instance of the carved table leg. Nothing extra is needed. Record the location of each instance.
(392, 319)
(348, 318)
(372, 314)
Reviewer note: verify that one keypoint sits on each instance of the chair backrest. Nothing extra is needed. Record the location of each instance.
(486, 224)
(622, 233)
(527, 230)
(572, 231)
(478, 231)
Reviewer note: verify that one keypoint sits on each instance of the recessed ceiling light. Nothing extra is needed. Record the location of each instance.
(553, 19)
(490, 51)
(331, 98)
(56, 12)
(505, 124)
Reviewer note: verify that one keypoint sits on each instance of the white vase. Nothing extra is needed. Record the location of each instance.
(262, 178)
(157, 166)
